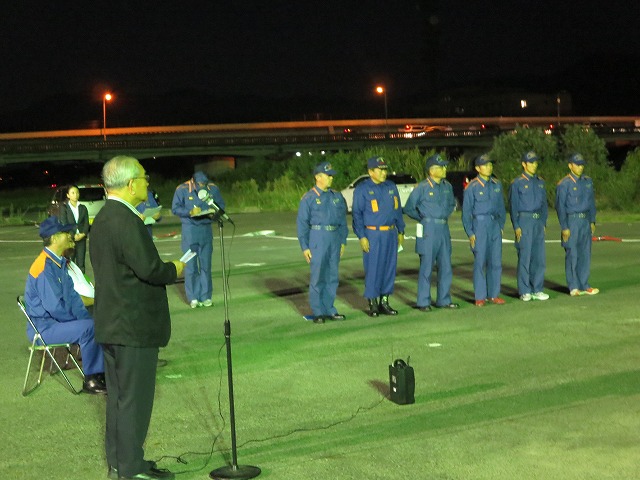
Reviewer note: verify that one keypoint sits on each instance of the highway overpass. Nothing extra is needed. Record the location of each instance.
(252, 139)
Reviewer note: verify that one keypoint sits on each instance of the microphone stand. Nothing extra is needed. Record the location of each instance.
(232, 471)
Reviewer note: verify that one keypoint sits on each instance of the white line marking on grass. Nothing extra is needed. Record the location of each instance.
(260, 233)
(434, 345)
(250, 264)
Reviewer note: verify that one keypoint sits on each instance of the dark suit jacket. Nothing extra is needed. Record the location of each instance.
(66, 217)
(131, 306)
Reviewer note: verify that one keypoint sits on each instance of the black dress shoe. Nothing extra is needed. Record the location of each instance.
(153, 473)
(94, 386)
(373, 307)
(424, 309)
(451, 305)
(385, 308)
(319, 319)
(112, 473)
(336, 316)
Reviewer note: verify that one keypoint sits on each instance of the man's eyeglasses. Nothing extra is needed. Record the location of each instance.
(146, 177)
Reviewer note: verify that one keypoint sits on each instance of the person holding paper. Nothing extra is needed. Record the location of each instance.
(197, 235)
(431, 203)
(150, 211)
(132, 317)
(57, 309)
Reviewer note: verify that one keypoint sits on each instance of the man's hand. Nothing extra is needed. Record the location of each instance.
(593, 228)
(472, 241)
(518, 234)
(307, 255)
(400, 239)
(179, 267)
(565, 235)
(364, 244)
(195, 211)
(342, 249)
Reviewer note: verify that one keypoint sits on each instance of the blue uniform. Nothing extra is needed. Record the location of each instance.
(377, 215)
(431, 204)
(322, 228)
(197, 235)
(57, 310)
(150, 203)
(529, 211)
(576, 208)
(484, 215)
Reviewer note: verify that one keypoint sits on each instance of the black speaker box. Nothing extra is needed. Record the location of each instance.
(402, 383)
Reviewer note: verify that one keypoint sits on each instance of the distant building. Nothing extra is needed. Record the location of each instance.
(502, 103)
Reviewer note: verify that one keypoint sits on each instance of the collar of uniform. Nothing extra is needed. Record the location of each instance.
(54, 258)
(124, 202)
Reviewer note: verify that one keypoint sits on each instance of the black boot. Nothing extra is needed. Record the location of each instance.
(373, 307)
(385, 308)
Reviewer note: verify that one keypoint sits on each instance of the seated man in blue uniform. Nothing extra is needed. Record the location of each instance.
(322, 233)
(57, 309)
(378, 224)
(576, 208)
(431, 203)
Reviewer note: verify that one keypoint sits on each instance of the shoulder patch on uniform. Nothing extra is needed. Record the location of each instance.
(37, 267)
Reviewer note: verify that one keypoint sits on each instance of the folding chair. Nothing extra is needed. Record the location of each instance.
(38, 344)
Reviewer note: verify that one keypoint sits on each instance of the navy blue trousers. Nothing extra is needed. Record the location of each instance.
(380, 263)
(323, 282)
(487, 265)
(577, 260)
(531, 255)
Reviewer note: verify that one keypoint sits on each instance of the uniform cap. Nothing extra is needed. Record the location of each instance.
(577, 159)
(530, 157)
(435, 160)
(482, 159)
(52, 225)
(200, 177)
(376, 162)
(324, 167)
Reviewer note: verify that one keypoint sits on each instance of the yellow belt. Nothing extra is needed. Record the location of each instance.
(382, 227)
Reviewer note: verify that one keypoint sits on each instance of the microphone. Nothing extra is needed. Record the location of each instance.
(205, 197)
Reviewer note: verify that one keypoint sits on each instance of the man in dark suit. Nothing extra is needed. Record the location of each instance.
(73, 212)
(131, 313)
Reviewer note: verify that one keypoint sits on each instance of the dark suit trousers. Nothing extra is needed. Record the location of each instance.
(79, 254)
(131, 379)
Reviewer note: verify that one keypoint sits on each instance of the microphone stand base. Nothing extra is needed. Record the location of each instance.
(234, 472)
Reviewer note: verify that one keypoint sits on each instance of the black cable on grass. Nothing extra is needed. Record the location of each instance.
(180, 458)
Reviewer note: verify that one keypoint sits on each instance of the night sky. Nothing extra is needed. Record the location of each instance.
(59, 56)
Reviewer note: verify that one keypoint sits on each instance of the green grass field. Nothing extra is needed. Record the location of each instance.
(538, 390)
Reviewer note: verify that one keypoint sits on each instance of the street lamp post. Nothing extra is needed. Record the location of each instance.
(380, 90)
(105, 98)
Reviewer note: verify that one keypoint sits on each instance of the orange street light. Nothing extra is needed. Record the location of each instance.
(105, 98)
(380, 90)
